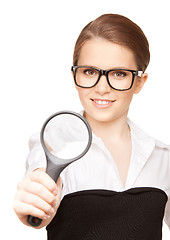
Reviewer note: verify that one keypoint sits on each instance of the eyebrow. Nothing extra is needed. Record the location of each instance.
(107, 68)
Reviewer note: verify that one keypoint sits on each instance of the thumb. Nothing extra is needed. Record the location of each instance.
(40, 169)
(59, 183)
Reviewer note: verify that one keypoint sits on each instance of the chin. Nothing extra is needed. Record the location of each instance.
(102, 117)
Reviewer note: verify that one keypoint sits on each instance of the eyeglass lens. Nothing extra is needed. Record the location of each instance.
(118, 79)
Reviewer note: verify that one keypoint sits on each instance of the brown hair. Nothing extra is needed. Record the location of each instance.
(117, 29)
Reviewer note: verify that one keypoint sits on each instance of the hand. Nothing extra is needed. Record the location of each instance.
(39, 196)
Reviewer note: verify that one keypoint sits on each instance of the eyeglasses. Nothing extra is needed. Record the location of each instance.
(118, 79)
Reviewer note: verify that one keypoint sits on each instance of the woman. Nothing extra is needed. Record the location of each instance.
(120, 189)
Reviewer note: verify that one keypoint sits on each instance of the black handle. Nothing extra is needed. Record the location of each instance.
(34, 221)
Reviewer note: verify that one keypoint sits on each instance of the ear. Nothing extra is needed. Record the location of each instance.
(140, 81)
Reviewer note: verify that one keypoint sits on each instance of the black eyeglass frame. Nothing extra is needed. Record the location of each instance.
(135, 73)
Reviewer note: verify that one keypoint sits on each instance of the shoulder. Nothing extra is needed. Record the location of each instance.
(160, 144)
(146, 140)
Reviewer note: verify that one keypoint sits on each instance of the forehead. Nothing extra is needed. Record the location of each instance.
(105, 54)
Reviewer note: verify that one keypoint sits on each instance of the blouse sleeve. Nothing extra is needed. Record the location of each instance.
(167, 209)
(36, 157)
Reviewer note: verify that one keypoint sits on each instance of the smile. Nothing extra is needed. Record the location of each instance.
(102, 102)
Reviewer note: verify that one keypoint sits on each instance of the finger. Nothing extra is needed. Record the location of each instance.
(36, 202)
(24, 209)
(39, 190)
(59, 183)
(44, 179)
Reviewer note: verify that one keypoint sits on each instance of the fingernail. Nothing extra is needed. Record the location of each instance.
(55, 192)
(52, 211)
(46, 216)
(54, 203)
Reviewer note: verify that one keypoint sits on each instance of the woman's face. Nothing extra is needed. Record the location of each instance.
(102, 103)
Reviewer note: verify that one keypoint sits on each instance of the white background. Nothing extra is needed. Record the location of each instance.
(36, 44)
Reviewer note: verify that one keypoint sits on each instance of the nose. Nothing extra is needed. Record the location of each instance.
(102, 86)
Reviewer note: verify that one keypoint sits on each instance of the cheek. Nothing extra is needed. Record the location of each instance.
(83, 95)
(124, 94)
(125, 98)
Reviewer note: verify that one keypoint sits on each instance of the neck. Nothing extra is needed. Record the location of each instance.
(114, 130)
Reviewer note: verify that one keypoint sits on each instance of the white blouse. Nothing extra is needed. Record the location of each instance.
(149, 166)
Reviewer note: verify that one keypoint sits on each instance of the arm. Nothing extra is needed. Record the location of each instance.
(167, 214)
(167, 209)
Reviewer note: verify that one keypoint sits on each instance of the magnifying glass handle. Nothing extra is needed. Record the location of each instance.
(34, 221)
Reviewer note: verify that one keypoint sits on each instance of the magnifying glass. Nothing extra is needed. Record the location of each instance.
(65, 137)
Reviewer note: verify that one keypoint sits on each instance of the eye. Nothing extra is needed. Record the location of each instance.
(89, 72)
(120, 74)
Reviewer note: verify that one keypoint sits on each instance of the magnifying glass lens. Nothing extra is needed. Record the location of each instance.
(66, 136)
